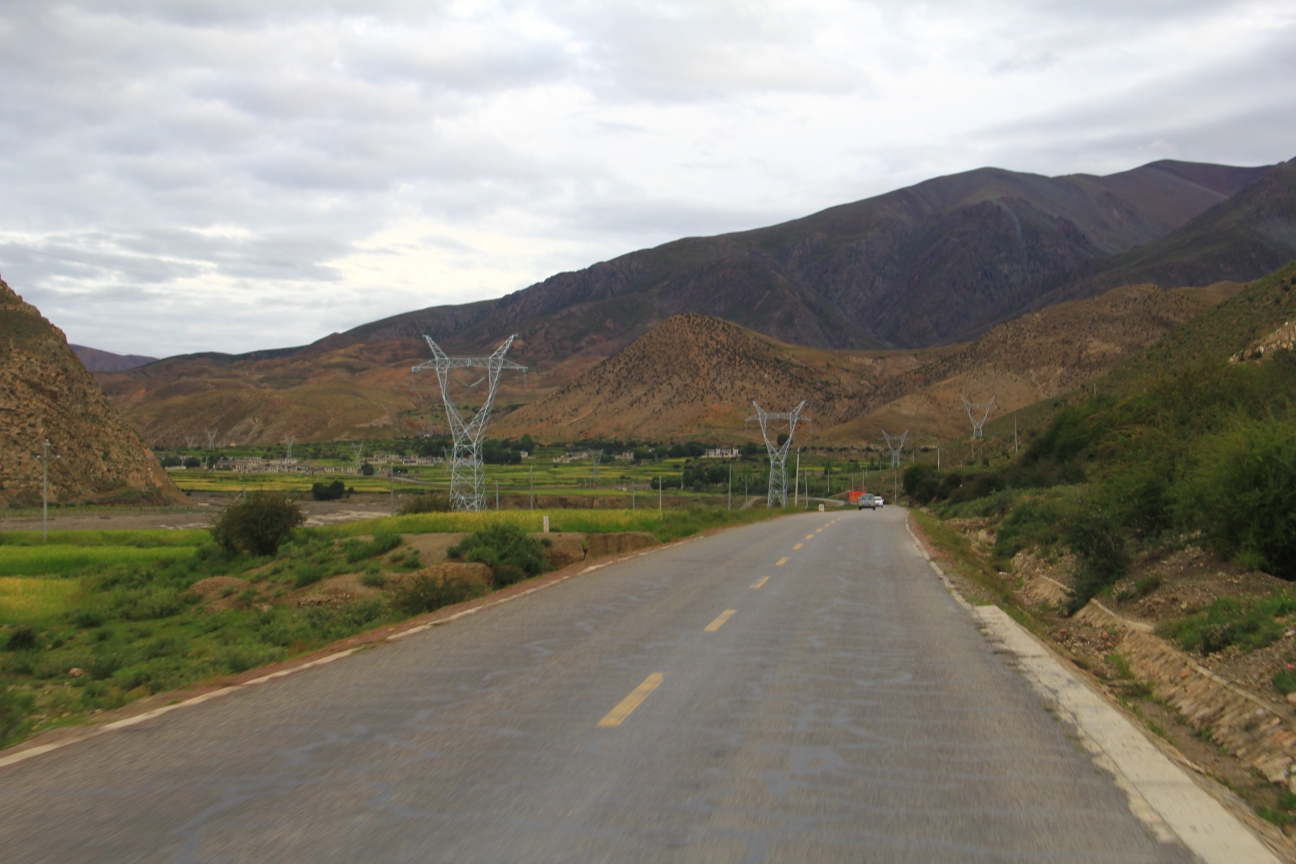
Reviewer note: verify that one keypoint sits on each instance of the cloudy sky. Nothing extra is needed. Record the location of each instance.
(226, 175)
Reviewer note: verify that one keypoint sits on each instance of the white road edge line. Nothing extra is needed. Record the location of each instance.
(1161, 794)
(125, 722)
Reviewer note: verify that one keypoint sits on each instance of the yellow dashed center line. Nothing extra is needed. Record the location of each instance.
(796, 547)
(781, 561)
(818, 530)
(719, 621)
(633, 701)
(809, 536)
(759, 582)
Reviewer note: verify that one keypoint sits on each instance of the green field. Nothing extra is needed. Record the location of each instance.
(545, 478)
(65, 560)
(26, 600)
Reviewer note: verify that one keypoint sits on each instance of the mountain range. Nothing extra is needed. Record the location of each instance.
(916, 270)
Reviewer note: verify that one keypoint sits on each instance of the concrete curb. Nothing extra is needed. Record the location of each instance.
(1161, 794)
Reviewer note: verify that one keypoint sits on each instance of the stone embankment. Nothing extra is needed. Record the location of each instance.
(1258, 732)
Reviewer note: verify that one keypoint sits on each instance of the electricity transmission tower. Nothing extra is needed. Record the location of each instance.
(597, 457)
(975, 408)
(289, 439)
(358, 450)
(211, 438)
(895, 443)
(467, 479)
(190, 441)
(777, 452)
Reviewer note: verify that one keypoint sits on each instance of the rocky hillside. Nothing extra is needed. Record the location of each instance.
(45, 393)
(1034, 357)
(695, 375)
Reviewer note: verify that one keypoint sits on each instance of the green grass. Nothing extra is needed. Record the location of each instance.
(124, 614)
(1249, 623)
(28, 600)
(65, 560)
(670, 525)
(147, 538)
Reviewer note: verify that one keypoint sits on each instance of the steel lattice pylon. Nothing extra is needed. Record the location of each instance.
(895, 443)
(467, 479)
(777, 453)
(972, 409)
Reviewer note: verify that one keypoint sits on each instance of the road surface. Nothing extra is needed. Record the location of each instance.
(800, 690)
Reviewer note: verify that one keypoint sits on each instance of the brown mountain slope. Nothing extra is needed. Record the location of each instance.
(45, 393)
(695, 375)
(925, 265)
(106, 361)
(1021, 362)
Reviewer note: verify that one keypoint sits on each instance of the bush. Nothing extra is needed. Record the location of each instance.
(359, 550)
(1030, 524)
(424, 593)
(501, 544)
(15, 708)
(258, 524)
(374, 578)
(328, 491)
(1242, 494)
(427, 502)
(1101, 559)
(308, 574)
(21, 639)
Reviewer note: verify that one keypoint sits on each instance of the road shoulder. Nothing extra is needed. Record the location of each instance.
(1165, 797)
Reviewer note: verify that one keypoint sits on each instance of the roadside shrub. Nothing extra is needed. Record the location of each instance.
(1241, 492)
(308, 574)
(258, 524)
(15, 708)
(424, 593)
(328, 491)
(21, 639)
(507, 574)
(359, 550)
(426, 502)
(1100, 553)
(1030, 524)
(374, 578)
(499, 544)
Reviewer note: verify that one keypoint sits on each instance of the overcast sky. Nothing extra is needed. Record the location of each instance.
(227, 175)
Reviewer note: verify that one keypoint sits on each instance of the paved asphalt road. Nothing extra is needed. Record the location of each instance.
(845, 710)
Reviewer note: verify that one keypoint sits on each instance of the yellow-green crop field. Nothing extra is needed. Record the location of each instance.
(24, 600)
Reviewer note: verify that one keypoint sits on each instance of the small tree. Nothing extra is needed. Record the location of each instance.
(258, 524)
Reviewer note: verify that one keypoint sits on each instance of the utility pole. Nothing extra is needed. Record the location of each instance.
(45, 457)
(730, 485)
(532, 487)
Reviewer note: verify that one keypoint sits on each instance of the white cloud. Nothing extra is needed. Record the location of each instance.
(183, 176)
